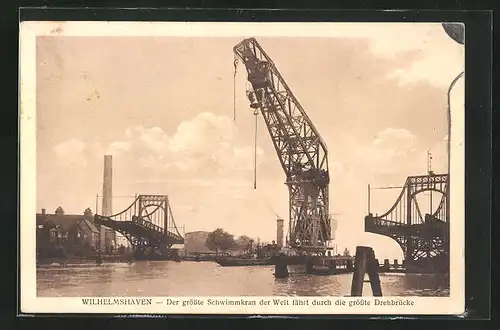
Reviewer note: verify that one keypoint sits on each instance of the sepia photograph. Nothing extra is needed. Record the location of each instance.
(217, 165)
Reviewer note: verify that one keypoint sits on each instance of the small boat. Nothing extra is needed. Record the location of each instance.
(199, 258)
(232, 261)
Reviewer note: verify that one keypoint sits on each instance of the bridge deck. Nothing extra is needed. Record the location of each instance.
(139, 227)
(388, 228)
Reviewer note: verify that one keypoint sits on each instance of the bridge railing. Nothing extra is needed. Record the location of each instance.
(140, 221)
(147, 224)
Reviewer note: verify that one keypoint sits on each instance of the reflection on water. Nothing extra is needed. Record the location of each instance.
(165, 278)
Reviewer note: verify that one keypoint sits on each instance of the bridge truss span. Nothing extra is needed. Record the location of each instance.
(148, 224)
(419, 225)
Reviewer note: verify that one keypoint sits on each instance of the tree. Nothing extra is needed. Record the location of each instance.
(243, 242)
(347, 253)
(220, 240)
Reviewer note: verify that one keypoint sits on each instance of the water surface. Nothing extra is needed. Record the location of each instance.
(166, 278)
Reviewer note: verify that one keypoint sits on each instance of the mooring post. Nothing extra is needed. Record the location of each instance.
(387, 265)
(280, 267)
(365, 262)
(99, 258)
(349, 265)
(373, 273)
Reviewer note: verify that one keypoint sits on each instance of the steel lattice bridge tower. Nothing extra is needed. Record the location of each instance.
(424, 238)
(148, 224)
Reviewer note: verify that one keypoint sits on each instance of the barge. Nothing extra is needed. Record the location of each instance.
(232, 261)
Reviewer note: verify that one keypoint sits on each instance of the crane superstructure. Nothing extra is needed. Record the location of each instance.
(301, 150)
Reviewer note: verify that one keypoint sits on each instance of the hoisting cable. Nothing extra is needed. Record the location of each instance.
(256, 112)
(234, 86)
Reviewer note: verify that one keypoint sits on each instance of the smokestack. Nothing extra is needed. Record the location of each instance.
(107, 186)
(279, 233)
(107, 189)
(333, 224)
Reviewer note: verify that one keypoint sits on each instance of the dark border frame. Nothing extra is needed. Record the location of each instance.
(478, 121)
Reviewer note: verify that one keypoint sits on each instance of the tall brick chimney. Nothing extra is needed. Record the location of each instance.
(107, 186)
(279, 233)
(107, 192)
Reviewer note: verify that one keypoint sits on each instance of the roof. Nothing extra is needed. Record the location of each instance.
(90, 225)
(65, 221)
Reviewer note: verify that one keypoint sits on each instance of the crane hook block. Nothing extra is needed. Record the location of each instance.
(254, 103)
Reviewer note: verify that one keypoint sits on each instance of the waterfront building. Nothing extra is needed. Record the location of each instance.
(60, 234)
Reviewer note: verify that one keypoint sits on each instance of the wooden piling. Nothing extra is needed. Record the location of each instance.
(365, 262)
(349, 265)
(99, 258)
(280, 267)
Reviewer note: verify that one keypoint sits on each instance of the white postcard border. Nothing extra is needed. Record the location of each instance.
(30, 303)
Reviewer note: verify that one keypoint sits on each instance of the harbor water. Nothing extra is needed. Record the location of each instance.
(167, 278)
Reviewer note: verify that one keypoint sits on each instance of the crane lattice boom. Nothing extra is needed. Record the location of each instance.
(301, 150)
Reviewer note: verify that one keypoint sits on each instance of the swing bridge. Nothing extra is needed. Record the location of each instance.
(423, 237)
(148, 224)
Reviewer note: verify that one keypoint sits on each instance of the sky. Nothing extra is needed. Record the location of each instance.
(163, 107)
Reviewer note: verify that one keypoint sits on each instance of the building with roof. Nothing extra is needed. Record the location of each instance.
(61, 234)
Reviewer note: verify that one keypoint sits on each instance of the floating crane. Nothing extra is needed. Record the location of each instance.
(300, 149)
